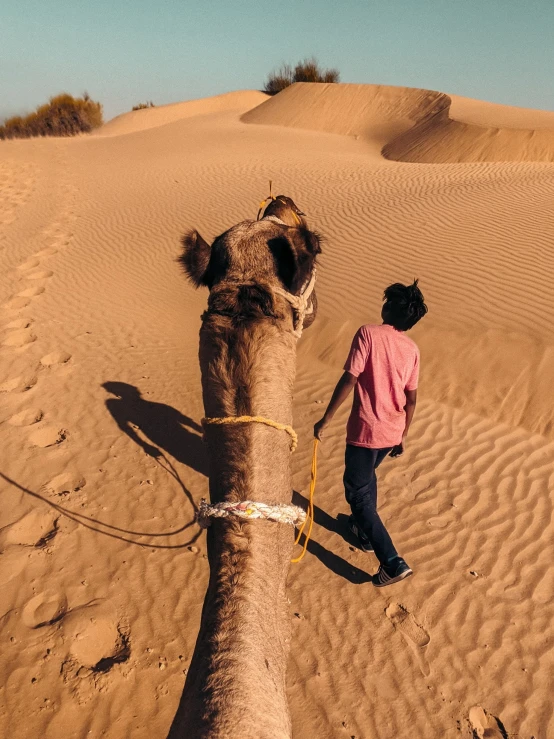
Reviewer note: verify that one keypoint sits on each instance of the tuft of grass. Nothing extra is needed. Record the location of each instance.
(307, 70)
(63, 115)
(142, 106)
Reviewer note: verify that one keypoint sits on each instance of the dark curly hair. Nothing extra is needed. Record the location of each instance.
(404, 305)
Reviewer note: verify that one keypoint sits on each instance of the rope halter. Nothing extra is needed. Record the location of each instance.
(300, 303)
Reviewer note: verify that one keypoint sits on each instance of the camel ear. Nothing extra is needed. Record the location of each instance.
(312, 241)
(294, 254)
(195, 257)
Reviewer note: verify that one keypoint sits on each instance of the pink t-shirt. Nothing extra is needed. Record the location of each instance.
(386, 363)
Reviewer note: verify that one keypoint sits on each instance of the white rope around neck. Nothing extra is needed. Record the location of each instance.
(249, 509)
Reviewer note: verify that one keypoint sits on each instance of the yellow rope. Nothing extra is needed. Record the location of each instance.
(256, 419)
(310, 515)
(264, 202)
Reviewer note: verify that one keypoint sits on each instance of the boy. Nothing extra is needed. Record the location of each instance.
(383, 369)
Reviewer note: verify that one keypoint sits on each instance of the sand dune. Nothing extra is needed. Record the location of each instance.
(140, 120)
(413, 125)
(376, 113)
(443, 139)
(102, 567)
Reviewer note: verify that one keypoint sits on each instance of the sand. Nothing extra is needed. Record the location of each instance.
(102, 568)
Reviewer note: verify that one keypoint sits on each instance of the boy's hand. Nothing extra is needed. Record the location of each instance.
(319, 428)
(397, 450)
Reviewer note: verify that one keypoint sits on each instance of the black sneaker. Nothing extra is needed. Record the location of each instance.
(363, 541)
(388, 574)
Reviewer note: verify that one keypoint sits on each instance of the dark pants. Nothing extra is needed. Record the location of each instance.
(360, 486)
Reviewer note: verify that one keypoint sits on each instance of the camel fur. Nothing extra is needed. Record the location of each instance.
(235, 687)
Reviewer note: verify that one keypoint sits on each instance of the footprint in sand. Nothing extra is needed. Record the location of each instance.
(48, 436)
(65, 483)
(404, 621)
(19, 337)
(44, 609)
(16, 303)
(439, 523)
(29, 264)
(19, 384)
(34, 529)
(31, 292)
(26, 418)
(22, 299)
(96, 639)
(414, 633)
(484, 725)
(47, 251)
(59, 357)
(18, 323)
(62, 240)
(40, 274)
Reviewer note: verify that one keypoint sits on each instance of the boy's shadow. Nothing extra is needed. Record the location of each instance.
(166, 428)
(339, 526)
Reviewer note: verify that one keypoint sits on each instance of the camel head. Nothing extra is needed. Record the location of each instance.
(286, 210)
(256, 267)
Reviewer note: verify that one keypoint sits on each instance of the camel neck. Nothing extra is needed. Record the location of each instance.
(249, 373)
(242, 649)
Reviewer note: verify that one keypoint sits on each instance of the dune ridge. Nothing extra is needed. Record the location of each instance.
(414, 125)
(376, 113)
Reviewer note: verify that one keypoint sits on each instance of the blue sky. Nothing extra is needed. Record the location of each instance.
(127, 51)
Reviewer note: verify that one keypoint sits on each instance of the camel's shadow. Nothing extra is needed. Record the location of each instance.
(165, 428)
(339, 526)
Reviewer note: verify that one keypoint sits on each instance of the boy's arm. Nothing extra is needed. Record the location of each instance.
(411, 400)
(409, 408)
(341, 392)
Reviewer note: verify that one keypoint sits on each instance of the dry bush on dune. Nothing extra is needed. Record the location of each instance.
(310, 71)
(142, 106)
(63, 115)
(305, 71)
(280, 79)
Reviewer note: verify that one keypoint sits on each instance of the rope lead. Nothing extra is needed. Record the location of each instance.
(310, 514)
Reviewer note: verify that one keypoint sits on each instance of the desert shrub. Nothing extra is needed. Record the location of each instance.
(63, 115)
(305, 71)
(142, 106)
(279, 79)
(13, 127)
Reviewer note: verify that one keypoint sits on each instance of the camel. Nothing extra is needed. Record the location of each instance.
(256, 272)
